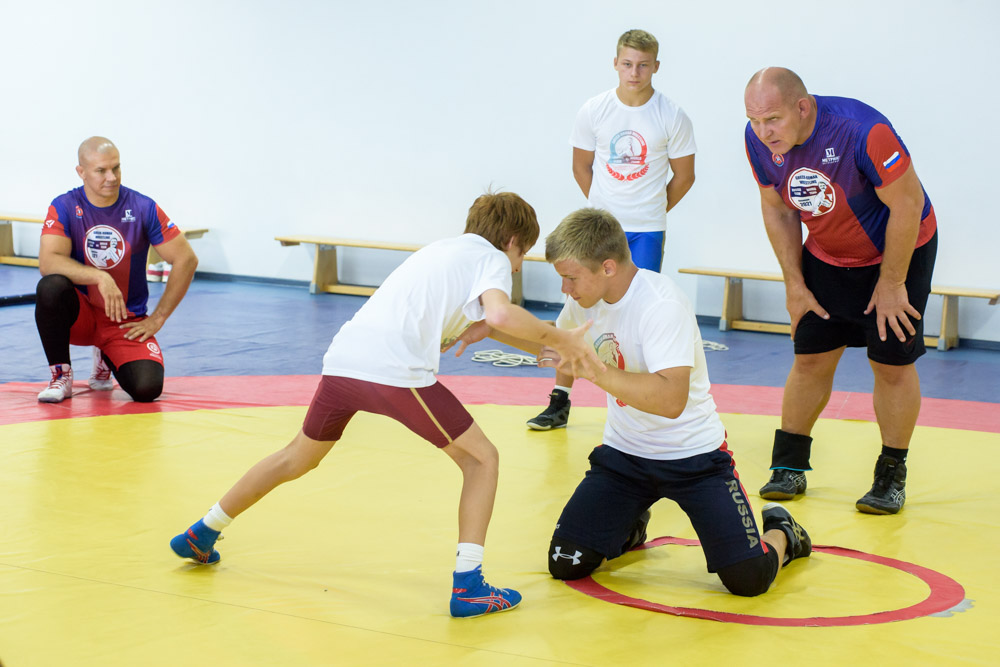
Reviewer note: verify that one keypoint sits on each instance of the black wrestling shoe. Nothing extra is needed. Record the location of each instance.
(554, 416)
(777, 517)
(784, 484)
(889, 489)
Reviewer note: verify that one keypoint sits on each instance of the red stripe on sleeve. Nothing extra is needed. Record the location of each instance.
(53, 225)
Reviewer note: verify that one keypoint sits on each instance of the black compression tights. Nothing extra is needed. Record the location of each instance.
(56, 309)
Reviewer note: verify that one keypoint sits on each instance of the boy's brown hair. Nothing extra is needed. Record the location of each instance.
(500, 216)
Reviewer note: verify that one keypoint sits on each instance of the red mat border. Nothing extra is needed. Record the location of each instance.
(945, 594)
(18, 400)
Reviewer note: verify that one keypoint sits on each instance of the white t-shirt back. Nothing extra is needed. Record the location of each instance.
(396, 337)
(632, 148)
(651, 328)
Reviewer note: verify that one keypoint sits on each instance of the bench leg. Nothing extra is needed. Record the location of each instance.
(325, 269)
(6, 239)
(948, 337)
(732, 303)
(517, 290)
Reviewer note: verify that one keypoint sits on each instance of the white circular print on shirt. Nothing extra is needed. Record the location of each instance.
(104, 246)
(811, 191)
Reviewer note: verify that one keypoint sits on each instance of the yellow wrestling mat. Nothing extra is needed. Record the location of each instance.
(351, 565)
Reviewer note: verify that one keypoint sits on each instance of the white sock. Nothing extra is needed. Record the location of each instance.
(566, 389)
(216, 519)
(469, 556)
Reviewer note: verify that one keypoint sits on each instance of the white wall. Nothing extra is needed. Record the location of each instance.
(386, 120)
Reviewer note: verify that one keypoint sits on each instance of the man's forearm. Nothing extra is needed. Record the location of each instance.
(900, 238)
(676, 189)
(78, 274)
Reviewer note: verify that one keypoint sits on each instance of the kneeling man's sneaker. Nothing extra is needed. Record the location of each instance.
(197, 543)
(784, 484)
(472, 596)
(889, 490)
(100, 377)
(777, 517)
(60, 386)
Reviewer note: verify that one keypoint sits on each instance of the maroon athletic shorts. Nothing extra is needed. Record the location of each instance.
(431, 412)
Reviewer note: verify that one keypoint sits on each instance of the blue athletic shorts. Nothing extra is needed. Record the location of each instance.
(619, 487)
(647, 249)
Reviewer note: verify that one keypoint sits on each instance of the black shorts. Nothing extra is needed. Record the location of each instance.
(619, 487)
(845, 293)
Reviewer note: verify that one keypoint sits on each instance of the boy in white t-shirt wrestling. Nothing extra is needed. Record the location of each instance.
(633, 155)
(663, 437)
(384, 361)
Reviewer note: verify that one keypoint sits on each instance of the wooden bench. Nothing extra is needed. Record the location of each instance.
(7, 255)
(732, 304)
(325, 275)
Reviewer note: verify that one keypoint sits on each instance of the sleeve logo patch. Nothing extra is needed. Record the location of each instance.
(892, 162)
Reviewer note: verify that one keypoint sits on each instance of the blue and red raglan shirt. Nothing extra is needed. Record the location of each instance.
(832, 178)
(115, 239)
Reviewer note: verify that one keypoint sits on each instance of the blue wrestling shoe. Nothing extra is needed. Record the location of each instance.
(197, 543)
(472, 596)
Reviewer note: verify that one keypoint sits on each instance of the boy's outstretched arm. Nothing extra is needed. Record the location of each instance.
(513, 325)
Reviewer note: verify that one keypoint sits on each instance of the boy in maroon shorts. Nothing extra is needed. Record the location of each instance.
(439, 290)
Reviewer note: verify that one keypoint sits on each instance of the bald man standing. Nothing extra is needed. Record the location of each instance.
(92, 256)
(863, 275)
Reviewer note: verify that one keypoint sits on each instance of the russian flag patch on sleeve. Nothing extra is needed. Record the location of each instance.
(892, 162)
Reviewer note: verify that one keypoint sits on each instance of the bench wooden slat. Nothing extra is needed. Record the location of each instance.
(16, 260)
(349, 243)
(732, 304)
(14, 217)
(992, 295)
(727, 273)
(326, 276)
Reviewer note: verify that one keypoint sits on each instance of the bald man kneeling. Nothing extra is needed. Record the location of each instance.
(92, 256)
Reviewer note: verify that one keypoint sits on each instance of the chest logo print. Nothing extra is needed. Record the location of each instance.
(607, 349)
(627, 148)
(811, 191)
(104, 246)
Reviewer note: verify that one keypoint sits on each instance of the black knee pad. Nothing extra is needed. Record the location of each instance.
(142, 380)
(570, 561)
(750, 577)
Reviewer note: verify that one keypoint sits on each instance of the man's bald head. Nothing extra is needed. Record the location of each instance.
(94, 146)
(782, 80)
(100, 169)
(781, 112)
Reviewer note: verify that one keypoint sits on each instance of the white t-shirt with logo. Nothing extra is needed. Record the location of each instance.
(396, 336)
(632, 148)
(652, 328)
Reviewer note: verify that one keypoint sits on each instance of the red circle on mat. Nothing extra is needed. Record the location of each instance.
(945, 593)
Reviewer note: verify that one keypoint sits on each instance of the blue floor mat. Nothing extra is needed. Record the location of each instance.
(244, 328)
